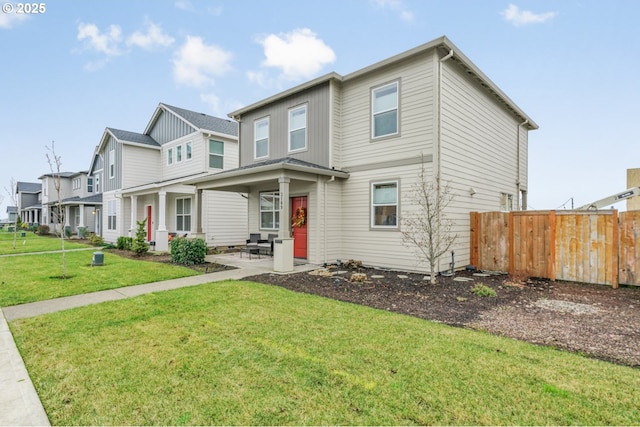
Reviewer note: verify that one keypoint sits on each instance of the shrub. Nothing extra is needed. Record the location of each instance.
(82, 232)
(96, 240)
(139, 245)
(188, 251)
(67, 232)
(43, 229)
(124, 243)
(482, 290)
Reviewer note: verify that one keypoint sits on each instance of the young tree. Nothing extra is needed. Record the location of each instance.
(427, 229)
(140, 245)
(12, 191)
(55, 162)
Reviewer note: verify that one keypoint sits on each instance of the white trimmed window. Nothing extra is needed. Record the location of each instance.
(270, 210)
(170, 156)
(384, 204)
(179, 153)
(111, 215)
(112, 164)
(89, 185)
(188, 149)
(261, 142)
(298, 128)
(384, 110)
(216, 154)
(183, 214)
(506, 202)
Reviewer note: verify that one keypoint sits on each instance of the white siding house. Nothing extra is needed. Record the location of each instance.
(365, 138)
(143, 176)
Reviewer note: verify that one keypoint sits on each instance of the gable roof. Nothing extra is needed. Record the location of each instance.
(28, 187)
(199, 121)
(442, 43)
(56, 174)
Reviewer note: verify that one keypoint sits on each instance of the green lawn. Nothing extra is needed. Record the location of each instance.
(241, 353)
(33, 243)
(30, 278)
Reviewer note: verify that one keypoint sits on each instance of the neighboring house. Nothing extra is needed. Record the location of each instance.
(12, 214)
(78, 203)
(29, 206)
(342, 152)
(141, 176)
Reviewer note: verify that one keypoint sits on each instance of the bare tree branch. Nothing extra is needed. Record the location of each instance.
(55, 163)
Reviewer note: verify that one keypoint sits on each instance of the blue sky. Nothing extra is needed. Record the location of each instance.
(80, 66)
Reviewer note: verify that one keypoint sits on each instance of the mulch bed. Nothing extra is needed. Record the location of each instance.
(593, 320)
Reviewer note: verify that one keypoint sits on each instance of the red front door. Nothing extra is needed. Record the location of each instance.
(149, 222)
(299, 219)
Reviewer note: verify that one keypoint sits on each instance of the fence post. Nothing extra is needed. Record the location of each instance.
(615, 261)
(511, 244)
(552, 246)
(475, 235)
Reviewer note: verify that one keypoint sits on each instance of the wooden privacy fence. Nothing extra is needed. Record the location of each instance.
(583, 246)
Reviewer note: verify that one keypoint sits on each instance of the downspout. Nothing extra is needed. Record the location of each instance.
(439, 112)
(518, 201)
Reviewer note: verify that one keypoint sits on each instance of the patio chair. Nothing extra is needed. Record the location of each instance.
(266, 246)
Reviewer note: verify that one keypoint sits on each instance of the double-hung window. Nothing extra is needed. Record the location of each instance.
(261, 141)
(179, 153)
(216, 154)
(111, 215)
(384, 110)
(384, 204)
(170, 156)
(298, 128)
(506, 202)
(183, 214)
(270, 210)
(188, 149)
(89, 185)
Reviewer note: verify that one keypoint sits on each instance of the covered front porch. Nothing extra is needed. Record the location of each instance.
(79, 214)
(297, 200)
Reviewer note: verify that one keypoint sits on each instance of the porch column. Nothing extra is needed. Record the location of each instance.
(283, 245)
(81, 223)
(67, 214)
(162, 234)
(198, 211)
(134, 215)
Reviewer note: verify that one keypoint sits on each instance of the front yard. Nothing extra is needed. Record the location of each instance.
(242, 353)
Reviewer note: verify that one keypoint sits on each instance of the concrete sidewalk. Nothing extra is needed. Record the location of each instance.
(19, 402)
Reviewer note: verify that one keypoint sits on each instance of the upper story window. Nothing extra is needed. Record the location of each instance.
(506, 202)
(112, 164)
(298, 128)
(89, 185)
(76, 184)
(170, 156)
(98, 183)
(179, 153)
(216, 154)
(261, 133)
(384, 110)
(384, 204)
(188, 149)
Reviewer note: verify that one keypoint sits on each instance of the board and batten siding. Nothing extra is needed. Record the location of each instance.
(109, 183)
(137, 165)
(169, 127)
(317, 100)
(416, 114)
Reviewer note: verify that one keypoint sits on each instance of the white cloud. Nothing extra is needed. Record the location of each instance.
(212, 100)
(107, 43)
(196, 63)
(396, 6)
(184, 5)
(518, 17)
(152, 38)
(298, 54)
(8, 20)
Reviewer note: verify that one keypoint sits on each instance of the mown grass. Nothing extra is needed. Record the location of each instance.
(241, 353)
(31, 278)
(33, 243)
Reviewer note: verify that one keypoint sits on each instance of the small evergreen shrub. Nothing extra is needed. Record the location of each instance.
(124, 243)
(188, 251)
(43, 229)
(139, 245)
(482, 290)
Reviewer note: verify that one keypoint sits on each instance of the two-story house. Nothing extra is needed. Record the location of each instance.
(331, 162)
(29, 206)
(141, 176)
(73, 205)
